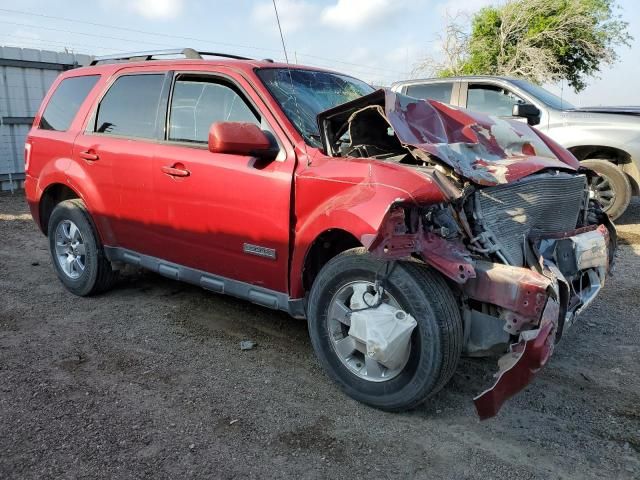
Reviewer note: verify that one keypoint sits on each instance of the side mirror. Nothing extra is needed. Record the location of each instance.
(528, 111)
(238, 138)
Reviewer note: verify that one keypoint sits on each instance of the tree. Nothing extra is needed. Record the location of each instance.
(540, 40)
(454, 45)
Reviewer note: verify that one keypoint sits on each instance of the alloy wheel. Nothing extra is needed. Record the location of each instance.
(70, 249)
(350, 351)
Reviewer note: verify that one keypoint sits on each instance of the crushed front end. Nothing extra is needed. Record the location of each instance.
(525, 257)
(519, 238)
(555, 248)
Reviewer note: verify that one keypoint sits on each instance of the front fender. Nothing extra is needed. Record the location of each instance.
(354, 195)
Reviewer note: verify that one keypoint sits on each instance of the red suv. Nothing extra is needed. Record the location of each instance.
(407, 232)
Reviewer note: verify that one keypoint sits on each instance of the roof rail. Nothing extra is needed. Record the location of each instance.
(188, 53)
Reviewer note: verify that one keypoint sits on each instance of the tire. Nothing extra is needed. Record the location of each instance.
(96, 274)
(436, 341)
(611, 176)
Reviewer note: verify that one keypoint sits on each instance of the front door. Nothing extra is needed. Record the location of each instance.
(491, 99)
(221, 213)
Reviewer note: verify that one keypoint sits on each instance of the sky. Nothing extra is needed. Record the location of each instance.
(379, 41)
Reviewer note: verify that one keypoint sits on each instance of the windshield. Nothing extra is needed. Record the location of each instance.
(543, 95)
(303, 94)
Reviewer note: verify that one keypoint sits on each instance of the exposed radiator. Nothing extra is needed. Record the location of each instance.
(545, 203)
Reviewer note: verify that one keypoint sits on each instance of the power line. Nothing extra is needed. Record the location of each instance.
(166, 35)
(86, 34)
(25, 39)
(146, 32)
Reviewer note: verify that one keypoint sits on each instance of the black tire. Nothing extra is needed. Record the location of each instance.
(436, 342)
(97, 275)
(619, 182)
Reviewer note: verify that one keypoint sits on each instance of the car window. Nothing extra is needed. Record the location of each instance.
(130, 107)
(434, 91)
(491, 99)
(196, 104)
(65, 102)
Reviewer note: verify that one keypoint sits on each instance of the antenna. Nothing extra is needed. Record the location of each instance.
(286, 57)
(293, 88)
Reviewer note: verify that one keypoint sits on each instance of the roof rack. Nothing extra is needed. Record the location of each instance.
(188, 53)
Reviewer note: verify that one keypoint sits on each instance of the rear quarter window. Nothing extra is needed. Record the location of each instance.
(434, 91)
(65, 102)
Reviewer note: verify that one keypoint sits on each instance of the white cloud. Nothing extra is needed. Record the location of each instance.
(354, 14)
(454, 7)
(161, 9)
(152, 9)
(294, 14)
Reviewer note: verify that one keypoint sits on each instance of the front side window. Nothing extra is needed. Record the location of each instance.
(65, 102)
(433, 91)
(303, 94)
(492, 100)
(131, 106)
(197, 103)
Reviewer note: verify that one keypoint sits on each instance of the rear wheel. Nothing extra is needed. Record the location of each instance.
(77, 254)
(428, 358)
(611, 188)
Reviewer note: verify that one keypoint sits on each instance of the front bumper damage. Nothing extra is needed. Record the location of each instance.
(519, 366)
(535, 304)
(539, 305)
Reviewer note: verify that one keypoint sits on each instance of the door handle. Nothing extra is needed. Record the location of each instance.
(178, 170)
(89, 155)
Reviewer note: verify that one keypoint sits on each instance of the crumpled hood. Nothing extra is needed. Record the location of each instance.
(485, 150)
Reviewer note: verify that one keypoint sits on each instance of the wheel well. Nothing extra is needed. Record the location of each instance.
(53, 195)
(326, 246)
(614, 155)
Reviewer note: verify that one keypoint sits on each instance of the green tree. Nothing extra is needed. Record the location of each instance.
(541, 40)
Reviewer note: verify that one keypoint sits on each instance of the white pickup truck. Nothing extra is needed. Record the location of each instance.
(605, 139)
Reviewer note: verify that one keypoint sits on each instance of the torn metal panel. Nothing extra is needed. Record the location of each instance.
(448, 256)
(520, 365)
(486, 150)
(519, 290)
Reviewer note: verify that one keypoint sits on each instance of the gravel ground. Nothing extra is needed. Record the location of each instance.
(148, 380)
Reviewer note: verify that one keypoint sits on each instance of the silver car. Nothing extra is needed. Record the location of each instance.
(604, 139)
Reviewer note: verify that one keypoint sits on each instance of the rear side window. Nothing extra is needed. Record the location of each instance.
(131, 106)
(433, 91)
(65, 102)
(196, 104)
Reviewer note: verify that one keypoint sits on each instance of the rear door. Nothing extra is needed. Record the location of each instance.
(231, 214)
(117, 149)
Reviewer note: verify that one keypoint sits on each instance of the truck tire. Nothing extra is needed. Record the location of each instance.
(78, 256)
(611, 188)
(435, 345)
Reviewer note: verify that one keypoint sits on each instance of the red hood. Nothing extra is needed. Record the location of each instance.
(486, 150)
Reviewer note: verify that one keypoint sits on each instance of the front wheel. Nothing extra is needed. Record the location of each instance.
(422, 365)
(611, 188)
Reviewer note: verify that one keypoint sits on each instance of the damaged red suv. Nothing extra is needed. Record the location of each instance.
(407, 232)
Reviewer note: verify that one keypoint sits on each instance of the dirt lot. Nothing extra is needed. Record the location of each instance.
(148, 380)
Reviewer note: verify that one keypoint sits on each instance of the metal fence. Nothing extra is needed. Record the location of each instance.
(25, 76)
